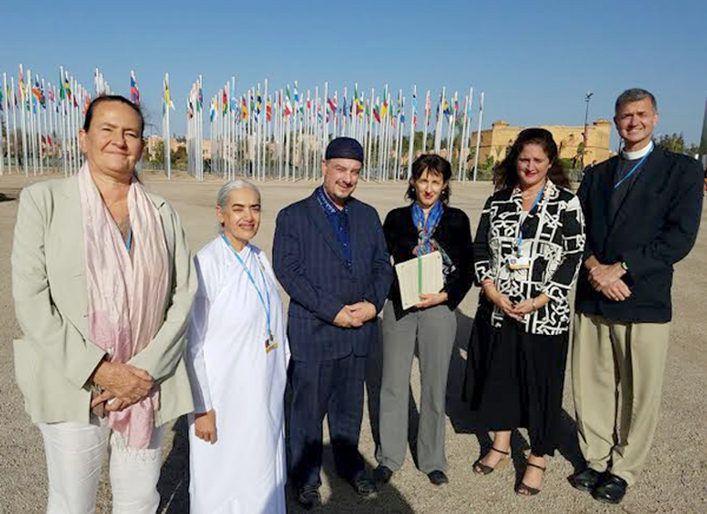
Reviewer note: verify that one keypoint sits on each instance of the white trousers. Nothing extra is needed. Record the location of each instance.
(75, 454)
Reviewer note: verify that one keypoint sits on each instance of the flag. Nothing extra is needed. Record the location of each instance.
(37, 90)
(134, 91)
(376, 112)
(244, 110)
(200, 99)
(268, 110)
(21, 82)
(288, 104)
(428, 105)
(167, 95)
(67, 86)
(332, 104)
(225, 100)
(1, 101)
(296, 97)
(212, 112)
(414, 109)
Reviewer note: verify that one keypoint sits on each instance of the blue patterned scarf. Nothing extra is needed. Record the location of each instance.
(425, 243)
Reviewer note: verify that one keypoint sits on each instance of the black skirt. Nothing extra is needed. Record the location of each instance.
(515, 379)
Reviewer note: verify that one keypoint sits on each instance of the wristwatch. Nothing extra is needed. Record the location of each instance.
(624, 266)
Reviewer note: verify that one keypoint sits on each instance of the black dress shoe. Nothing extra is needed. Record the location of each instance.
(611, 490)
(586, 480)
(382, 474)
(438, 478)
(363, 485)
(308, 497)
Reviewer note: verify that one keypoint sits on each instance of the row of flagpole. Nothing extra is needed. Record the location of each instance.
(40, 124)
(260, 133)
(282, 134)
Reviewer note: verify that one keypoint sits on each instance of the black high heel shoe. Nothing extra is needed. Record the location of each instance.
(526, 490)
(482, 469)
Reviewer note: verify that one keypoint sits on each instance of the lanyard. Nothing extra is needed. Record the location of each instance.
(129, 241)
(266, 305)
(633, 170)
(520, 231)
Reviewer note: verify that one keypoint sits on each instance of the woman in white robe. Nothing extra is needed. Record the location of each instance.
(237, 360)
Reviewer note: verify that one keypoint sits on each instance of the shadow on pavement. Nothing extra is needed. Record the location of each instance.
(344, 499)
(173, 485)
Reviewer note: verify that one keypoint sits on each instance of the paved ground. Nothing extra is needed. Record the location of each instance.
(676, 473)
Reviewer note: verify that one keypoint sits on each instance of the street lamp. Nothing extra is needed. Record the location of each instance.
(587, 98)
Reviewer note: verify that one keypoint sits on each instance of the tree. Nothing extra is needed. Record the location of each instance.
(157, 155)
(179, 156)
(672, 142)
(692, 150)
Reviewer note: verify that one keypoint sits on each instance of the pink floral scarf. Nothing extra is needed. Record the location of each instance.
(126, 296)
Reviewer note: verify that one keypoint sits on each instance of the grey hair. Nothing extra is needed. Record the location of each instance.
(634, 95)
(233, 185)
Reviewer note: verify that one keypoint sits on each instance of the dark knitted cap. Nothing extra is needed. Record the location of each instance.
(344, 148)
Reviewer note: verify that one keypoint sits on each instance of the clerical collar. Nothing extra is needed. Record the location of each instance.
(632, 156)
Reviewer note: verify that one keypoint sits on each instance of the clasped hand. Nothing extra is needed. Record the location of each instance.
(355, 315)
(122, 384)
(606, 279)
(516, 311)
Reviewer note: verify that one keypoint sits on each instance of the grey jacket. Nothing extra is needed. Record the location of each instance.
(54, 360)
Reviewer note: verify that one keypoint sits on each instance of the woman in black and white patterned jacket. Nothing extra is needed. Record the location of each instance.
(527, 252)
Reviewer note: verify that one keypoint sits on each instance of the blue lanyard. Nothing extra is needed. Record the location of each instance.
(129, 241)
(520, 231)
(266, 305)
(633, 170)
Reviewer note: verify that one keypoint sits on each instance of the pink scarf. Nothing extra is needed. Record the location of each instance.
(126, 297)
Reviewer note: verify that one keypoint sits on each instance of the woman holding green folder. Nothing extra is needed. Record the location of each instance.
(425, 226)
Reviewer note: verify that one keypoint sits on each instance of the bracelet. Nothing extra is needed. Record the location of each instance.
(533, 300)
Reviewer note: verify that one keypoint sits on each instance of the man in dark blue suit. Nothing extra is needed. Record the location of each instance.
(331, 257)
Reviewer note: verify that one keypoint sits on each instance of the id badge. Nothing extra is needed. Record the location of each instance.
(518, 262)
(270, 344)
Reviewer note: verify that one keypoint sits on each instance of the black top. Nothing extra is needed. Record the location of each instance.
(453, 234)
(618, 194)
(654, 227)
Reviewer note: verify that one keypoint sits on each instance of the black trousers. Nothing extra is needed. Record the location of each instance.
(518, 381)
(333, 388)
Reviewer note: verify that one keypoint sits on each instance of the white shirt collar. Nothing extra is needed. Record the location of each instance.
(632, 156)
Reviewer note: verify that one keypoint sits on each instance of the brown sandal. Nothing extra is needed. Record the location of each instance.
(526, 490)
(482, 469)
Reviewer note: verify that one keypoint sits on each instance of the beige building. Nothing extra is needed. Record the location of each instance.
(497, 140)
(154, 143)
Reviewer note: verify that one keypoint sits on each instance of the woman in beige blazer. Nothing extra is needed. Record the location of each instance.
(103, 286)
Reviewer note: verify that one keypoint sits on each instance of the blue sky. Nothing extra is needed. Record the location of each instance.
(534, 60)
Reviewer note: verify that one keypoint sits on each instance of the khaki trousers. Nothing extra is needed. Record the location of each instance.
(617, 377)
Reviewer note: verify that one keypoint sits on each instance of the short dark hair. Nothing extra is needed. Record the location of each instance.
(434, 164)
(506, 172)
(111, 98)
(635, 94)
